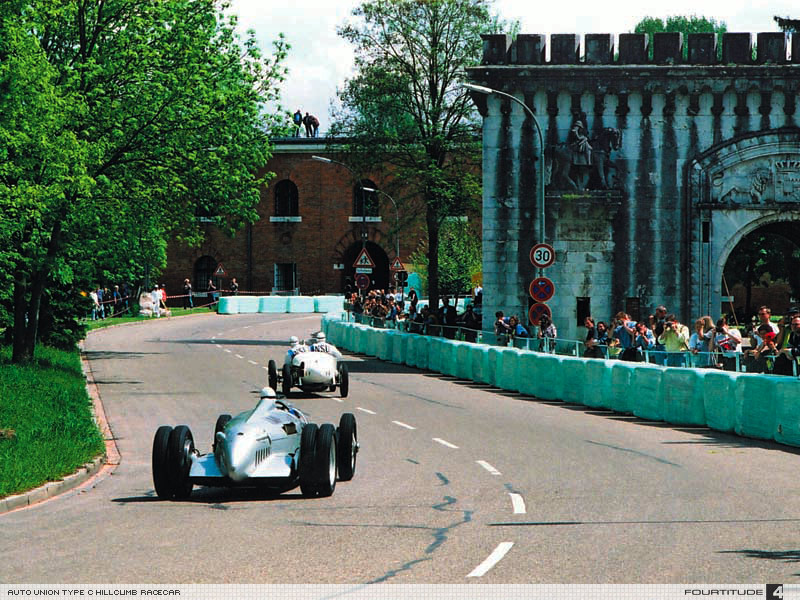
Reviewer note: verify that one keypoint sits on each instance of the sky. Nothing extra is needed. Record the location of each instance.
(320, 61)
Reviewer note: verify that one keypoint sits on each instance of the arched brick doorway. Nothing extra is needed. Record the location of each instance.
(380, 276)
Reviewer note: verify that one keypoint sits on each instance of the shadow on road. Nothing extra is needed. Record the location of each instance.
(217, 497)
(108, 355)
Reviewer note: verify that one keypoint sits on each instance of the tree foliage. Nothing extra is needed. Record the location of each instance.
(122, 120)
(787, 25)
(459, 258)
(680, 24)
(404, 112)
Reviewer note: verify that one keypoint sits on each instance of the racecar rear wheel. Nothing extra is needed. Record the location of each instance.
(161, 476)
(305, 466)
(347, 447)
(272, 378)
(222, 420)
(326, 460)
(179, 453)
(344, 380)
(286, 384)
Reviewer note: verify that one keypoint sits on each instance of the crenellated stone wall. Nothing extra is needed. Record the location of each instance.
(709, 151)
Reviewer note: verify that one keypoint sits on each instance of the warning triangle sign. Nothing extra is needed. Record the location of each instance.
(220, 272)
(397, 265)
(364, 259)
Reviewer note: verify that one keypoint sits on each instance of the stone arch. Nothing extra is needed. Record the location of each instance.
(735, 188)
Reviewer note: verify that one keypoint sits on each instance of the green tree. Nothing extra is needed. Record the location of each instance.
(134, 116)
(459, 258)
(681, 24)
(404, 111)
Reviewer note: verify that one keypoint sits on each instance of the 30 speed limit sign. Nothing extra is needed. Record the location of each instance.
(542, 255)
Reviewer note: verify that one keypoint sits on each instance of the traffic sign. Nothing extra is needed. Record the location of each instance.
(541, 289)
(542, 256)
(362, 281)
(364, 270)
(364, 259)
(220, 272)
(536, 311)
(397, 265)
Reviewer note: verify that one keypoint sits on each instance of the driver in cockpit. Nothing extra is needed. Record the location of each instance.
(296, 347)
(320, 345)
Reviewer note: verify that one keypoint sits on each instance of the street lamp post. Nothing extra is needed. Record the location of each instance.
(540, 171)
(363, 200)
(396, 225)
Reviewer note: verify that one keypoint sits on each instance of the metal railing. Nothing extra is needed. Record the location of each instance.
(729, 361)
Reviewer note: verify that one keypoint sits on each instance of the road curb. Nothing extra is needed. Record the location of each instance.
(102, 466)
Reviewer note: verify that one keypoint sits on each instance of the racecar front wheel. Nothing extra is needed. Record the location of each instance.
(305, 465)
(344, 380)
(161, 476)
(326, 460)
(179, 453)
(272, 378)
(222, 420)
(286, 384)
(346, 446)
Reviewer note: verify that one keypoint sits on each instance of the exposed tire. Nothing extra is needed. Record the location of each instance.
(305, 466)
(325, 459)
(161, 476)
(344, 380)
(222, 420)
(179, 453)
(286, 384)
(272, 377)
(346, 446)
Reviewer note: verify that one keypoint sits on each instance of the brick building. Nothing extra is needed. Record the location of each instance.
(309, 232)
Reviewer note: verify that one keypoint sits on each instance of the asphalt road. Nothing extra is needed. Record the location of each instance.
(455, 483)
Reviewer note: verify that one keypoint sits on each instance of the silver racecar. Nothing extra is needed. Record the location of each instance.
(271, 446)
(311, 372)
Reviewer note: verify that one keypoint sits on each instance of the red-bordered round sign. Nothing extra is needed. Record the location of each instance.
(536, 311)
(542, 256)
(542, 289)
(362, 281)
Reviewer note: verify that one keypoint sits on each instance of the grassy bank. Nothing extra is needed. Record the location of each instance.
(46, 425)
(176, 312)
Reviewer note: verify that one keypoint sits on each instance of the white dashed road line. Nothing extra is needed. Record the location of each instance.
(238, 356)
(401, 424)
(445, 443)
(366, 410)
(518, 503)
(488, 467)
(252, 362)
(495, 557)
(227, 350)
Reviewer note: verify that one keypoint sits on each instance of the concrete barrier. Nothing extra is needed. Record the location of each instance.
(386, 344)
(328, 304)
(648, 401)
(551, 378)
(787, 411)
(573, 371)
(228, 305)
(399, 348)
(450, 358)
(248, 304)
(373, 344)
(418, 351)
(597, 387)
(435, 351)
(300, 304)
(463, 360)
(755, 395)
(479, 362)
(494, 366)
(683, 394)
(622, 393)
(529, 377)
(273, 304)
(719, 400)
(508, 370)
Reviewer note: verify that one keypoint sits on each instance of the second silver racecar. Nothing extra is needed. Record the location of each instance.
(315, 367)
(271, 446)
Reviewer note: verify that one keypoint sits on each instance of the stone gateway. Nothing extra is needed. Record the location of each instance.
(656, 166)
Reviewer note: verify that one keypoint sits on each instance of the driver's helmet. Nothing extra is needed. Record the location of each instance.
(268, 392)
(294, 340)
(321, 336)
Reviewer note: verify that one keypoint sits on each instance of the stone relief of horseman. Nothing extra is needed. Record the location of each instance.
(582, 163)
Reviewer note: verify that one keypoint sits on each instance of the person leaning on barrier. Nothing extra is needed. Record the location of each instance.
(727, 341)
(547, 333)
(790, 352)
(699, 343)
(645, 340)
(501, 328)
(761, 358)
(470, 323)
